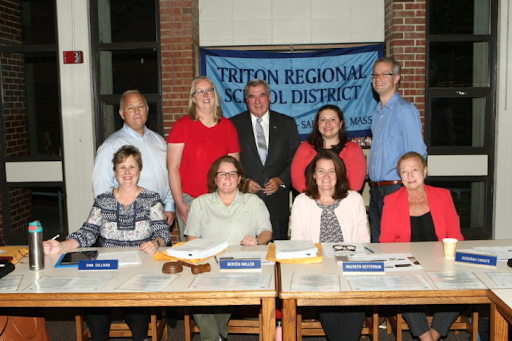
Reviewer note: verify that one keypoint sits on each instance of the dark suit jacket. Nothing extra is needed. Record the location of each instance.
(283, 142)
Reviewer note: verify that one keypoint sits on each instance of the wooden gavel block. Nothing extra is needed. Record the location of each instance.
(177, 267)
(199, 268)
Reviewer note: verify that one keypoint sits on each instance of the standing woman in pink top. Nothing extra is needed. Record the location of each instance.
(329, 132)
(194, 143)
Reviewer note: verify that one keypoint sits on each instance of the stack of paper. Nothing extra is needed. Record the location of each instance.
(292, 249)
(123, 257)
(197, 249)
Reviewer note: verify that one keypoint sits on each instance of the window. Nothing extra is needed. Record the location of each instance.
(30, 120)
(126, 49)
(460, 97)
(29, 72)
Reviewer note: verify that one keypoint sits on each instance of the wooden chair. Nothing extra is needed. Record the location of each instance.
(313, 327)
(398, 325)
(235, 326)
(157, 329)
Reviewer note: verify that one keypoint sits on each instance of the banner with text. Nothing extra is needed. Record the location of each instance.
(300, 82)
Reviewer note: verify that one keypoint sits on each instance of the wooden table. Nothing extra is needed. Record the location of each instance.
(176, 294)
(430, 256)
(501, 313)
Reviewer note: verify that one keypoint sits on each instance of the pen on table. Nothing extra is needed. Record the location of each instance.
(57, 236)
(216, 260)
(368, 249)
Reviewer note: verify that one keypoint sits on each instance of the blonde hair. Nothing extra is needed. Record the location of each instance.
(192, 106)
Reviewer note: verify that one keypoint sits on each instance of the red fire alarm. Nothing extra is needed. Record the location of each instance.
(73, 57)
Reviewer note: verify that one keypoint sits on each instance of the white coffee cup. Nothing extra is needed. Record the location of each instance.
(449, 247)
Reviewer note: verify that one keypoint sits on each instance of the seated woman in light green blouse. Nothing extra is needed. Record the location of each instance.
(226, 214)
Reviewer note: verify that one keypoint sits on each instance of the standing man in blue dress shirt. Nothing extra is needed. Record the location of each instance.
(134, 110)
(396, 129)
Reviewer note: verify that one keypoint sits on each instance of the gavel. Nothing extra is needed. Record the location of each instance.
(177, 267)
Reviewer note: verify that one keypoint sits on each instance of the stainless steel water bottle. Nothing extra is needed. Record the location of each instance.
(35, 246)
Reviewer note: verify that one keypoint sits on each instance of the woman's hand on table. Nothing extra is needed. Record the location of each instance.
(249, 241)
(149, 247)
(51, 247)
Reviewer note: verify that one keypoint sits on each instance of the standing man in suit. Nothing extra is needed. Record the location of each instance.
(268, 141)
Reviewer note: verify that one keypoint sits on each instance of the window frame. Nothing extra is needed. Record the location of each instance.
(101, 100)
(489, 94)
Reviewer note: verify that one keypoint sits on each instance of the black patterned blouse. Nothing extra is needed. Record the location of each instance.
(111, 224)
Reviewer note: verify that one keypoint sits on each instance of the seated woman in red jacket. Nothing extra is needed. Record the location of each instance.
(420, 213)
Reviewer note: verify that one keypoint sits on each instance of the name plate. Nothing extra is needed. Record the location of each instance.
(239, 264)
(476, 259)
(107, 264)
(371, 267)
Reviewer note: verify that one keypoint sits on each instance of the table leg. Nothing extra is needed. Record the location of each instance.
(499, 325)
(268, 315)
(289, 320)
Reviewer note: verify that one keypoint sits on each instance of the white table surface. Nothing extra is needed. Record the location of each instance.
(429, 254)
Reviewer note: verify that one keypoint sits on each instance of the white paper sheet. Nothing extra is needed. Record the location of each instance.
(69, 284)
(197, 249)
(392, 261)
(456, 280)
(502, 252)
(293, 249)
(147, 282)
(388, 283)
(315, 283)
(502, 279)
(125, 257)
(10, 283)
(231, 282)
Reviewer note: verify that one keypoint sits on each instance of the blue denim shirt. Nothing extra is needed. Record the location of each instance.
(396, 130)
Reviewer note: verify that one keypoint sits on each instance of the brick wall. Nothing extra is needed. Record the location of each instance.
(405, 33)
(14, 113)
(179, 30)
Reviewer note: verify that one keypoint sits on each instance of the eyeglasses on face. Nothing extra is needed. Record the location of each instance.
(223, 175)
(203, 92)
(339, 247)
(379, 75)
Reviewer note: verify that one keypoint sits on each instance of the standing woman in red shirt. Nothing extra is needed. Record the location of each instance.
(194, 143)
(329, 132)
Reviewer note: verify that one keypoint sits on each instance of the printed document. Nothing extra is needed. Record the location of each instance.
(69, 283)
(295, 249)
(197, 249)
(502, 279)
(147, 282)
(315, 283)
(392, 261)
(124, 257)
(231, 282)
(456, 280)
(388, 283)
(10, 283)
